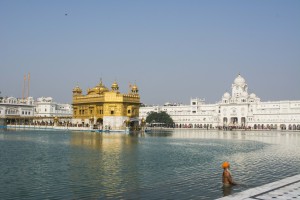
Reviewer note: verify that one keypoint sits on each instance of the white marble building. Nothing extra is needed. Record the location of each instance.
(46, 107)
(43, 107)
(13, 107)
(238, 109)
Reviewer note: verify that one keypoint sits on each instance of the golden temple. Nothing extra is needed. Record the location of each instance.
(104, 108)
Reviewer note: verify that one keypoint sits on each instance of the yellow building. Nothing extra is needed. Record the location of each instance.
(108, 109)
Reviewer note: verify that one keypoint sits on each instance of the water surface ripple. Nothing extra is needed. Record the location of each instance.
(179, 164)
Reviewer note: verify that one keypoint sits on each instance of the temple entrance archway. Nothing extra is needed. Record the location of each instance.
(243, 121)
(234, 121)
(282, 126)
(225, 121)
(99, 121)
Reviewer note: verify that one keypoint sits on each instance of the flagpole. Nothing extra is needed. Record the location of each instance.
(24, 87)
(28, 84)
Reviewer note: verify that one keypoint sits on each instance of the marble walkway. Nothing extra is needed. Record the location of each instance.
(287, 189)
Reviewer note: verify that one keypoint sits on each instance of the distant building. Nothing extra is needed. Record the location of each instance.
(46, 107)
(16, 110)
(236, 110)
(27, 111)
(105, 108)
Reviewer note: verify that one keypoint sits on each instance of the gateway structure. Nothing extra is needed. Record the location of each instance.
(108, 109)
(236, 110)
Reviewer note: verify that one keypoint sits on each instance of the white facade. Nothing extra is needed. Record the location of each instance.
(238, 109)
(46, 107)
(13, 107)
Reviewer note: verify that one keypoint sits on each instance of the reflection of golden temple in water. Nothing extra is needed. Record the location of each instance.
(106, 108)
(109, 142)
(106, 160)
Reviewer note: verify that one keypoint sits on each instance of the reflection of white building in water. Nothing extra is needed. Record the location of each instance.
(238, 109)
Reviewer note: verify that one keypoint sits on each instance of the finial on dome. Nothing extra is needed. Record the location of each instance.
(101, 83)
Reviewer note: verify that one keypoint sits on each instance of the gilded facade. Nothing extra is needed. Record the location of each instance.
(105, 108)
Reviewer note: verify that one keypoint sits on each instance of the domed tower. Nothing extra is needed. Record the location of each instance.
(77, 91)
(98, 89)
(115, 87)
(226, 97)
(134, 89)
(239, 87)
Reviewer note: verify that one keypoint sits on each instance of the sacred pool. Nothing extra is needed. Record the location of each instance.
(165, 164)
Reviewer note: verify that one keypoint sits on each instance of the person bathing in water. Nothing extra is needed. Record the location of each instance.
(227, 178)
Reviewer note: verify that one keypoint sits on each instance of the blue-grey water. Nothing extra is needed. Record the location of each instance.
(180, 164)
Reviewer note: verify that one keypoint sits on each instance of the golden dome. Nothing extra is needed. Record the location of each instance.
(134, 89)
(77, 90)
(100, 88)
(115, 86)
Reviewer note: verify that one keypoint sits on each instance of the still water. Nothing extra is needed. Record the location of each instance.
(180, 164)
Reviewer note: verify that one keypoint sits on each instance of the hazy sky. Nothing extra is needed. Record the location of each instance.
(173, 50)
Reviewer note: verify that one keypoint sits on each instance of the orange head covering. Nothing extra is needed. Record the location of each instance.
(225, 165)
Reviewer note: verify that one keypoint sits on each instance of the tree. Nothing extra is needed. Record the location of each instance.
(161, 117)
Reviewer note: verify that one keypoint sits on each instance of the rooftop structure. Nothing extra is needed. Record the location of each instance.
(106, 108)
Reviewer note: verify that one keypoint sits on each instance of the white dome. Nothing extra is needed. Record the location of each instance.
(252, 95)
(226, 95)
(239, 80)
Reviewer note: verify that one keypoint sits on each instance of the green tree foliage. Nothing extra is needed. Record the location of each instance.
(161, 117)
